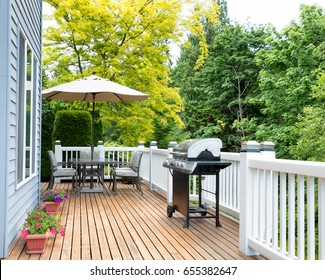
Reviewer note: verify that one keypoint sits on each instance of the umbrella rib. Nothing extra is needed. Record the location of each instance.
(86, 95)
(54, 94)
(118, 97)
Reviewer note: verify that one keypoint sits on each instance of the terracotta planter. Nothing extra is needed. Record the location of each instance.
(36, 243)
(52, 207)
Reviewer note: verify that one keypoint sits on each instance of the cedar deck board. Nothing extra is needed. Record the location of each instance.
(129, 226)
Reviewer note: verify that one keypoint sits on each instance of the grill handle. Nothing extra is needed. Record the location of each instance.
(178, 154)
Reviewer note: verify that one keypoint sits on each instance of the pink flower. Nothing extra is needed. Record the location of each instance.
(62, 233)
(38, 226)
(24, 233)
(54, 231)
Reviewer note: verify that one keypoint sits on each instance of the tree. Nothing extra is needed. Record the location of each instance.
(290, 66)
(127, 42)
(216, 96)
(310, 128)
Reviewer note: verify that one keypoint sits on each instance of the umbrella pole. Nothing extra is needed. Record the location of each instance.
(93, 129)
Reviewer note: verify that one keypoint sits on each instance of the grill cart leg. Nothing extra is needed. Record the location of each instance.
(170, 210)
(218, 224)
(203, 207)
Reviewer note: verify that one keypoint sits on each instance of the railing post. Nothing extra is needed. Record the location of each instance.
(267, 149)
(140, 145)
(171, 146)
(100, 148)
(58, 155)
(249, 150)
(153, 146)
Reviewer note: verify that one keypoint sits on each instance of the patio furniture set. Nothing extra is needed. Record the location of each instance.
(91, 167)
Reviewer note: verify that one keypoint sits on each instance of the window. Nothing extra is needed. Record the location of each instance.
(27, 77)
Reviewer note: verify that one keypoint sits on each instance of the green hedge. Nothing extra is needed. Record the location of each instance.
(98, 128)
(47, 128)
(72, 128)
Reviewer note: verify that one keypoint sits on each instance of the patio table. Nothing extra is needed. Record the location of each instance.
(92, 168)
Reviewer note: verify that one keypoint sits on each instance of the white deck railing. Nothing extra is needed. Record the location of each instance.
(279, 203)
(282, 213)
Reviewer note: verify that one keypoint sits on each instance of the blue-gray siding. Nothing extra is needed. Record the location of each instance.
(16, 15)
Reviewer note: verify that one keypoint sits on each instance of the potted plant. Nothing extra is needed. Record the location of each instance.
(36, 229)
(53, 199)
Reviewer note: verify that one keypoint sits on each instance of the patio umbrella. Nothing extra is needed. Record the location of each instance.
(93, 88)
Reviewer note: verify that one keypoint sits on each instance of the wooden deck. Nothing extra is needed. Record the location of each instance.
(128, 226)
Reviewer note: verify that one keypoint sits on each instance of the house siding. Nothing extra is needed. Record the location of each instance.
(16, 15)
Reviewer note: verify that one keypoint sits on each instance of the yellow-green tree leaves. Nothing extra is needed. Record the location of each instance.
(126, 41)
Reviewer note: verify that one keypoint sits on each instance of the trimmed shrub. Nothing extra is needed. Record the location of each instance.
(47, 128)
(72, 128)
(98, 128)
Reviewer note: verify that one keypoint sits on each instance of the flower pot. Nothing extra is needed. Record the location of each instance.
(52, 207)
(36, 243)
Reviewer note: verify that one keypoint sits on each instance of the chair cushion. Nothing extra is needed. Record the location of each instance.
(125, 172)
(64, 172)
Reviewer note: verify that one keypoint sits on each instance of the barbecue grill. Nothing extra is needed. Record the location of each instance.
(194, 157)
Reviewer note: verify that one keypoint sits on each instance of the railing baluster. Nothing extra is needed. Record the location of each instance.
(311, 217)
(291, 215)
(301, 217)
(283, 212)
(261, 205)
(321, 218)
(269, 212)
(275, 230)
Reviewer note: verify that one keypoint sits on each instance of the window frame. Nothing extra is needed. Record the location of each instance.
(26, 168)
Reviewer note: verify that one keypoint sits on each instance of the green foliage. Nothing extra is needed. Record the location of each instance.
(310, 128)
(47, 128)
(98, 126)
(217, 95)
(38, 222)
(258, 84)
(290, 66)
(127, 42)
(72, 128)
(310, 131)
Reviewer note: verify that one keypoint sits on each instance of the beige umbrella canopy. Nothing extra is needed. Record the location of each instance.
(93, 88)
(85, 89)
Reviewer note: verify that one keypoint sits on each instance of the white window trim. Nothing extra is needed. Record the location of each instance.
(33, 114)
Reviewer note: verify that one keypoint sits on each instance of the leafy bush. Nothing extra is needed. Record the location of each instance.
(47, 128)
(72, 128)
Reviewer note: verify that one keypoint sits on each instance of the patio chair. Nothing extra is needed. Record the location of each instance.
(95, 171)
(131, 171)
(57, 171)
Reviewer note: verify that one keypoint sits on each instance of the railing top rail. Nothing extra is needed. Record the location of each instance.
(66, 148)
(230, 156)
(306, 168)
(160, 152)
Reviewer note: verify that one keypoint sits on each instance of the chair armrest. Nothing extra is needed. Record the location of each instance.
(66, 164)
(124, 164)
